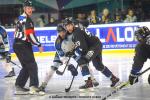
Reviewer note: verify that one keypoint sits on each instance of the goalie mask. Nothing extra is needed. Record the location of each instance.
(142, 33)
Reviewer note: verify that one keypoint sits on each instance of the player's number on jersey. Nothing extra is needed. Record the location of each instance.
(77, 44)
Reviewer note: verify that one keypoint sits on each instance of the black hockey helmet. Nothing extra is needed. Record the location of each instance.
(68, 21)
(28, 3)
(141, 33)
(60, 28)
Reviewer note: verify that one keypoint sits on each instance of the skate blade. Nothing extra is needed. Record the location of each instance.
(33, 93)
(21, 93)
(125, 84)
(41, 93)
(87, 90)
(117, 85)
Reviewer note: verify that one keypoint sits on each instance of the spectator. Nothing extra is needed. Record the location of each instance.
(123, 14)
(52, 22)
(118, 18)
(81, 18)
(93, 19)
(105, 16)
(139, 10)
(40, 22)
(130, 17)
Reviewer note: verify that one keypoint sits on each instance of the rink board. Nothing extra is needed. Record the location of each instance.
(116, 38)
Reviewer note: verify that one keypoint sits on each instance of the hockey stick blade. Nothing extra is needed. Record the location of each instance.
(59, 72)
(68, 89)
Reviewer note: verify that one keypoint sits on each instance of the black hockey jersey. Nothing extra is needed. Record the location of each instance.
(83, 40)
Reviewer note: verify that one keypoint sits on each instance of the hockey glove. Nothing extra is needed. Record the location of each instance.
(89, 55)
(56, 64)
(8, 57)
(133, 79)
(69, 54)
(73, 70)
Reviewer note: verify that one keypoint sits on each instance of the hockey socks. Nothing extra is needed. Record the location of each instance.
(106, 72)
(85, 72)
(135, 70)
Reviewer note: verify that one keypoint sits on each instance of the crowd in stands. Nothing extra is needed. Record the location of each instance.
(103, 18)
(134, 13)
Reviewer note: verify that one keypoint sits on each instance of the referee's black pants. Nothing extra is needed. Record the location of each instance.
(29, 69)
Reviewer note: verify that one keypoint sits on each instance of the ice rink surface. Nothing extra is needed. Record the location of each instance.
(119, 64)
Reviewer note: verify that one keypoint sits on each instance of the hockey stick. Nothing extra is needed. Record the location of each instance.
(61, 73)
(15, 64)
(123, 85)
(68, 89)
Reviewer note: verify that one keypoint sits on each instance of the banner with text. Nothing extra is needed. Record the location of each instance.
(113, 36)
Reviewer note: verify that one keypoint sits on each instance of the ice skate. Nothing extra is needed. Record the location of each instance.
(114, 81)
(88, 86)
(10, 74)
(21, 91)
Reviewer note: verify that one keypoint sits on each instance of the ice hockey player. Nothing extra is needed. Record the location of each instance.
(4, 52)
(64, 49)
(142, 53)
(88, 48)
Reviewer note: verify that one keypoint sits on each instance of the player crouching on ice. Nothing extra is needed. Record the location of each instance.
(62, 55)
(4, 52)
(142, 53)
(88, 48)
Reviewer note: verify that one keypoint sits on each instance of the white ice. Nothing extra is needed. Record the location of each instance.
(119, 64)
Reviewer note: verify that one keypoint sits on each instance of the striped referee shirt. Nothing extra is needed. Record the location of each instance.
(25, 30)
